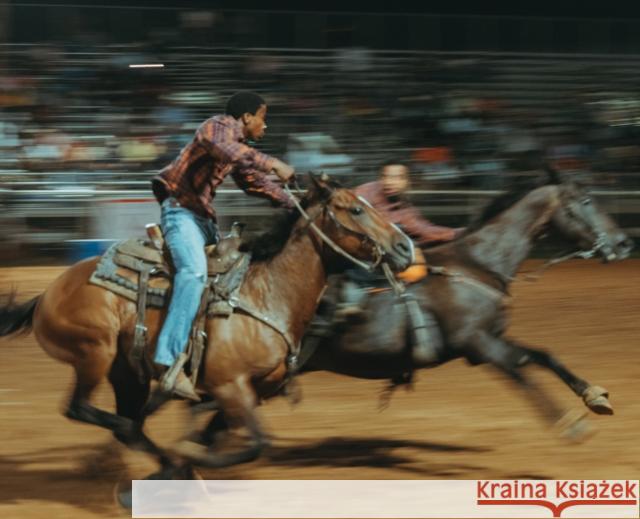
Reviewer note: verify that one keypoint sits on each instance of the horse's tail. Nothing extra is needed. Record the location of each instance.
(17, 318)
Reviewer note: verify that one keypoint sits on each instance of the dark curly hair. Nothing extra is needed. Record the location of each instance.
(243, 102)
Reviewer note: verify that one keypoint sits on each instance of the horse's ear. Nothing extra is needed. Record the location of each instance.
(321, 185)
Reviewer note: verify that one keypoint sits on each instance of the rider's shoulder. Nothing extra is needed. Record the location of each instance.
(221, 120)
(369, 189)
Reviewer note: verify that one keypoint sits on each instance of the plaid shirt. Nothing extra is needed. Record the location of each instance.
(403, 214)
(217, 149)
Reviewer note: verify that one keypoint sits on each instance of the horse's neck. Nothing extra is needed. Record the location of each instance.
(501, 246)
(292, 282)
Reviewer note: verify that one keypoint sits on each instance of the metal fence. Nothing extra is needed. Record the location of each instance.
(52, 222)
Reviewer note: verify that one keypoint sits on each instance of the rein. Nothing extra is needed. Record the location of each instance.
(599, 244)
(534, 275)
(370, 267)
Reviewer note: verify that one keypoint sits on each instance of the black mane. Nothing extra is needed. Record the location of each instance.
(264, 246)
(496, 207)
(506, 200)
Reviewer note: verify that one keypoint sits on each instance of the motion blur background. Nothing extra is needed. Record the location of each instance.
(473, 100)
(476, 97)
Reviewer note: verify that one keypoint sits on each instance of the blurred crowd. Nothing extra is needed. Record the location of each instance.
(462, 120)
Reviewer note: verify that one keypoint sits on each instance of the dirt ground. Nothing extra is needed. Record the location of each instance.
(459, 422)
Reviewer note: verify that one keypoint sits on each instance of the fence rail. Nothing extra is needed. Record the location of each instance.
(48, 218)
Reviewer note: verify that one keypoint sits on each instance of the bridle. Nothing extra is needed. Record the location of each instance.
(599, 243)
(364, 238)
(378, 249)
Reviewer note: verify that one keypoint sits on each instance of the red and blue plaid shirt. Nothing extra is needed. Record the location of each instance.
(217, 149)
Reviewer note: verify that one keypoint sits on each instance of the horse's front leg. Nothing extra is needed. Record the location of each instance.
(215, 429)
(501, 355)
(238, 402)
(594, 397)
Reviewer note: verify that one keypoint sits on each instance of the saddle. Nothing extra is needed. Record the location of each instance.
(142, 271)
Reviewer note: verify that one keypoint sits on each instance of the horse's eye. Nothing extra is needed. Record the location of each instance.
(356, 210)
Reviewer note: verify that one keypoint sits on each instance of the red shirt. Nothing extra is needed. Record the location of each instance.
(218, 149)
(403, 214)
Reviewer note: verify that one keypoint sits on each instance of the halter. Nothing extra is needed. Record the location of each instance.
(336, 248)
(601, 236)
(378, 249)
(598, 244)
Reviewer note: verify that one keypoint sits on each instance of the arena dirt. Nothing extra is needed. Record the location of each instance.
(459, 422)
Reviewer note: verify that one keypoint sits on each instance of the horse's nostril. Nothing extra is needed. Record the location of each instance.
(625, 245)
(402, 247)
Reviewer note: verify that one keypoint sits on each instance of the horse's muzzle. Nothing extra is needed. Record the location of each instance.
(402, 254)
(619, 250)
(624, 247)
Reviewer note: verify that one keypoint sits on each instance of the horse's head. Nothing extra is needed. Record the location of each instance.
(356, 227)
(580, 219)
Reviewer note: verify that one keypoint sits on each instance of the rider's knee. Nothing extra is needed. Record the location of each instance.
(192, 276)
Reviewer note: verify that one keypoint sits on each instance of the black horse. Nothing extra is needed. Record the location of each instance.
(464, 302)
(465, 298)
(463, 305)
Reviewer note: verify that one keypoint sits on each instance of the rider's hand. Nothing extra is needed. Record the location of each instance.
(284, 171)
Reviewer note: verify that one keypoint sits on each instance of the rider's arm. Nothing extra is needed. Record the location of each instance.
(422, 230)
(257, 183)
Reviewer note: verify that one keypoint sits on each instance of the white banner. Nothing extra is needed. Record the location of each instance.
(301, 499)
(122, 218)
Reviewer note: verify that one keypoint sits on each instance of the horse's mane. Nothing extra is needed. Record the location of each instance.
(496, 207)
(266, 245)
(506, 200)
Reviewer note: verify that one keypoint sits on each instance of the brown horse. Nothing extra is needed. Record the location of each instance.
(92, 329)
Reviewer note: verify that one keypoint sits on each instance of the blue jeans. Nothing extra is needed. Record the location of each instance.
(186, 235)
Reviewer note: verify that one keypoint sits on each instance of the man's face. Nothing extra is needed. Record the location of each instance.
(395, 179)
(254, 125)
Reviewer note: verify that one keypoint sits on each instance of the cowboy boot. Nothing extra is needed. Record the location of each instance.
(176, 382)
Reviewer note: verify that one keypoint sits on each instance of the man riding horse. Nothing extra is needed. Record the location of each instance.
(388, 196)
(185, 189)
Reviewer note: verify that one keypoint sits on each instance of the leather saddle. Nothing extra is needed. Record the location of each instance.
(120, 268)
(142, 271)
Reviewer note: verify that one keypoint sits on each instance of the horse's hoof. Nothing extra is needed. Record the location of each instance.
(575, 427)
(293, 392)
(596, 398)
(123, 494)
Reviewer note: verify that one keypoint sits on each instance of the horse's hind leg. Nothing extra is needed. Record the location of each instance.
(594, 397)
(501, 355)
(208, 436)
(131, 396)
(89, 373)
